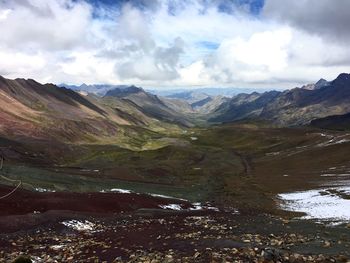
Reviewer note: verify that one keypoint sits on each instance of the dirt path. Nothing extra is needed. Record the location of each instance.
(245, 162)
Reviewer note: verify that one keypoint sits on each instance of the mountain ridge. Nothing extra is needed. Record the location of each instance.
(298, 106)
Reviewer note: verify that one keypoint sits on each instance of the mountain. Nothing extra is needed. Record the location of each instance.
(150, 104)
(98, 89)
(201, 103)
(298, 106)
(335, 122)
(243, 106)
(195, 99)
(45, 112)
(225, 92)
(318, 85)
(192, 97)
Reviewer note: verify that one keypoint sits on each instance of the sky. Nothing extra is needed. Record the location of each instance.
(175, 43)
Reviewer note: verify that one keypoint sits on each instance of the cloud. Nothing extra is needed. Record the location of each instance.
(50, 25)
(326, 18)
(174, 43)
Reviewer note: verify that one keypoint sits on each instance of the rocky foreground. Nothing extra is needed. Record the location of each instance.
(153, 235)
(131, 227)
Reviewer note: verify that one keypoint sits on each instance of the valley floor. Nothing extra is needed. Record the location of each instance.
(102, 203)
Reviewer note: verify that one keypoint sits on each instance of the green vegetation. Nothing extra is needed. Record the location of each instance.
(242, 164)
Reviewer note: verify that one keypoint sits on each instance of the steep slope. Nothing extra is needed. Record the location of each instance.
(201, 103)
(32, 111)
(293, 107)
(212, 105)
(178, 105)
(47, 111)
(151, 105)
(335, 122)
(300, 106)
(192, 97)
(243, 106)
(318, 85)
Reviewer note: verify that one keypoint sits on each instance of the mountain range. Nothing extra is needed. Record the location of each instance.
(46, 111)
(298, 106)
(31, 111)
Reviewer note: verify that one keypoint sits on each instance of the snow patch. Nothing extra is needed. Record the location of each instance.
(321, 204)
(57, 247)
(117, 190)
(171, 207)
(43, 190)
(331, 175)
(200, 206)
(84, 226)
(36, 259)
(166, 196)
(122, 191)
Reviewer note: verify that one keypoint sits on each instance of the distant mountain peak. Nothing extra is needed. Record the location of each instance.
(124, 91)
(318, 85)
(321, 83)
(322, 80)
(342, 80)
(343, 76)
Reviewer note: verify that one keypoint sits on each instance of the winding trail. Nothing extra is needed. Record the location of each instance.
(245, 162)
(7, 179)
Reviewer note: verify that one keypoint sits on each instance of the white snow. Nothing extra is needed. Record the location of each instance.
(166, 196)
(335, 140)
(122, 191)
(197, 206)
(117, 190)
(36, 259)
(162, 196)
(212, 208)
(335, 175)
(171, 207)
(325, 135)
(80, 225)
(194, 138)
(43, 190)
(57, 247)
(319, 204)
(200, 206)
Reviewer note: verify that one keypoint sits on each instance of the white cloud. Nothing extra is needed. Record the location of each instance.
(253, 59)
(15, 63)
(49, 25)
(194, 44)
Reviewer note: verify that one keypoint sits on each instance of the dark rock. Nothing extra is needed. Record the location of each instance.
(22, 259)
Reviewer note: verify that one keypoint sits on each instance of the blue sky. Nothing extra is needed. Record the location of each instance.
(175, 43)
